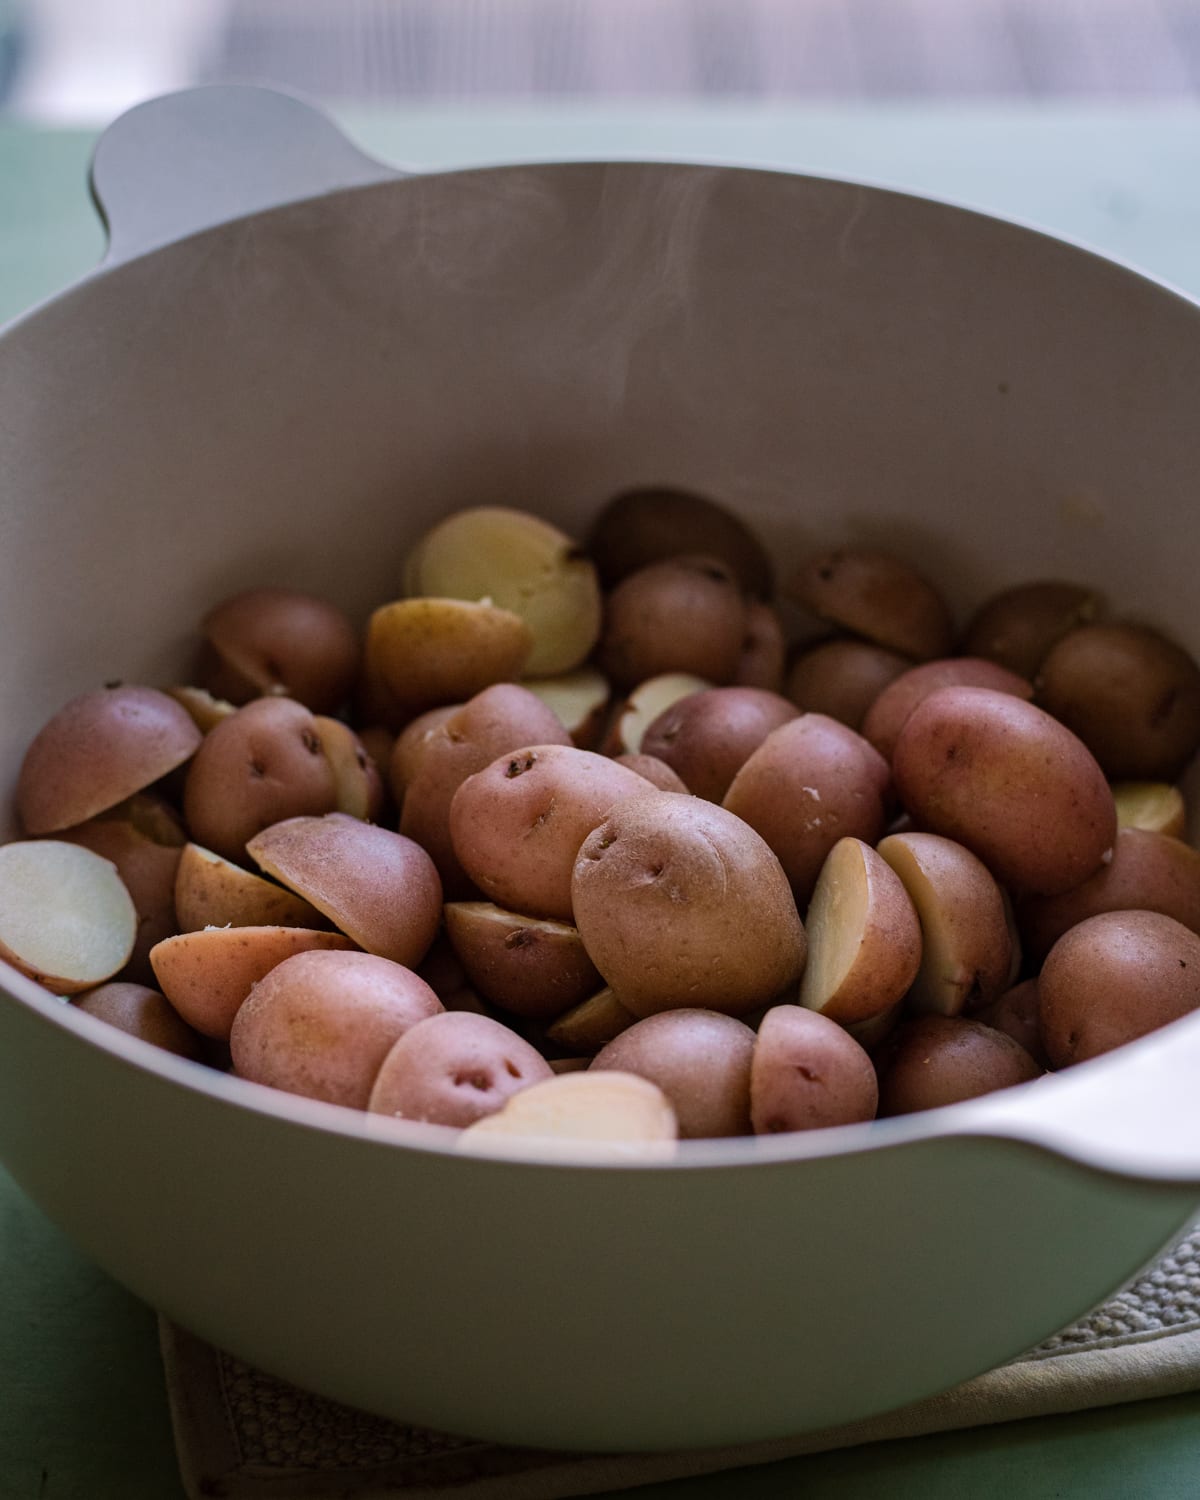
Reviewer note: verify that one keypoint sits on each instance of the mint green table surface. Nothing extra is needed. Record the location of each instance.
(82, 1410)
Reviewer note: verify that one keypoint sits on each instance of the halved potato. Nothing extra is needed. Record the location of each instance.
(614, 1114)
(432, 651)
(530, 966)
(211, 891)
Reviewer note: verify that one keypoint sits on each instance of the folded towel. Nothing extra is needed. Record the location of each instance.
(244, 1435)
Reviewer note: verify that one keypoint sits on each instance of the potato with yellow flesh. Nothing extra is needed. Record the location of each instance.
(1017, 627)
(708, 737)
(211, 891)
(264, 763)
(864, 939)
(1153, 806)
(878, 596)
(807, 1073)
(679, 904)
(66, 918)
(380, 888)
(842, 677)
(1147, 872)
(321, 1024)
(517, 825)
(454, 1069)
(204, 709)
(762, 660)
(431, 651)
(934, 1060)
(140, 1011)
(966, 944)
(649, 525)
(500, 719)
(358, 785)
(529, 966)
(687, 614)
(144, 839)
(591, 1024)
(1113, 978)
(811, 782)
(579, 699)
(602, 1116)
(1130, 694)
(525, 566)
(96, 751)
(1008, 781)
(886, 716)
(701, 1061)
(638, 711)
(206, 975)
(271, 640)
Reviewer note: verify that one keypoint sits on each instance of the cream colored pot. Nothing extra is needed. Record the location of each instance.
(292, 360)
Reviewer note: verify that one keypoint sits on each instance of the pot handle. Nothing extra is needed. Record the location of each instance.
(1132, 1112)
(190, 160)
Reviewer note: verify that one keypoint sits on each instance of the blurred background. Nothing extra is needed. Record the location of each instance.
(82, 61)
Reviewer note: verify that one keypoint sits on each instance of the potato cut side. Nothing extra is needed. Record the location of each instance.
(211, 891)
(206, 975)
(206, 710)
(579, 699)
(591, 1024)
(607, 1114)
(645, 703)
(1153, 806)
(359, 788)
(66, 917)
(864, 939)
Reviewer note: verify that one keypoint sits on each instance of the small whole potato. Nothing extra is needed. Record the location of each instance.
(842, 677)
(707, 737)
(264, 763)
(517, 825)
(935, 1060)
(701, 1061)
(1011, 783)
(321, 1024)
(681, 904)
(279, 640)
(143, 1012)
(1017, 1012)
(878, 596)
(645, 526)
(96, 751)
(1113, 978)
(453, 1069)
(811, 782)
(808, 1073)
(886, 716)
(687, 614)
(1017, 627)
(762, 660)
(1131, 695)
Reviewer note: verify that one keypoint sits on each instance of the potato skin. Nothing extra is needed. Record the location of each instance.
(1017, 627)
(885, 718)
(680, 904)
(808, 1073)
(701, 1061)
(707, 737)
(934, 1060)
(1130, 694)
(454, 1068)
(842, 677)
(1113, 978)
(143, 1012)
(687, 614)
(529, 967)
(320, 1024)
(1011, 783)
(98, 749)
(278, 640)
(879, 596)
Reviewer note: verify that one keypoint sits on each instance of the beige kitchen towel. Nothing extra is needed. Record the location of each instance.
(243, 1435)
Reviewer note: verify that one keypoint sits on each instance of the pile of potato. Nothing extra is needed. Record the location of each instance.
(578, 844)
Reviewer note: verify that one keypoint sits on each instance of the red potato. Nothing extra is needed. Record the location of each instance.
(886, 716)
(528, 966)
(656, 772)
(358, 785)
(144, 839)
(1008, 781)
(810, 783)
(321, 1024)
(454, 1069)
(701, 1061)
(1113, 978)
(140, 1011)
(762, 660)
(211, 891)
(424, 652)
(207, 975)
(687, 614)
(842, 678)
(680, 904)
(1017, 627)
(264, 763)
(277, 640)
(579, 700)
(632, 717)
(498, 720)
(808, 1073)
(517, 825)
(378, 887)
(878, 596)
(1017, 1013)
(96, 751)
(933, 1061)
(592, 1024)
(409, 747)
(707, 737)
(601, 1116)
